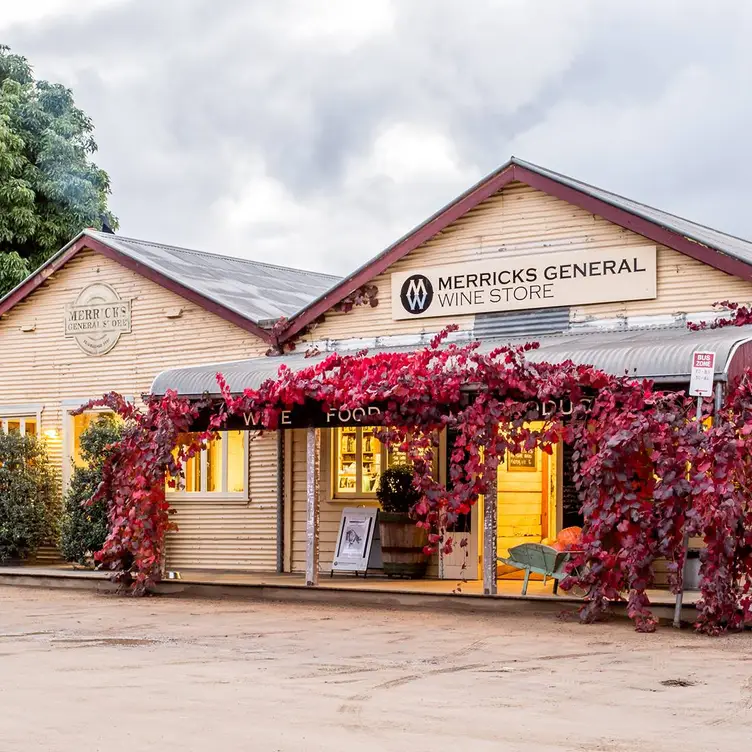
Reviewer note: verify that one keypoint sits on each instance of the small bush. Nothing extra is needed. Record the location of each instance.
(396, 491)
(85, 527)
(29, 496)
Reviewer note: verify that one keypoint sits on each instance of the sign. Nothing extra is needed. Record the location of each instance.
(525, 461)
(358, 543)
(302, 416)
(311, 415)
(542, 280)
(703, 371)
(97, 319)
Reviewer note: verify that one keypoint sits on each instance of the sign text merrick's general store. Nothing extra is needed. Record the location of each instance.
(523, 282)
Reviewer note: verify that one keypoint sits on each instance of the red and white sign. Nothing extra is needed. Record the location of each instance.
(703, 370)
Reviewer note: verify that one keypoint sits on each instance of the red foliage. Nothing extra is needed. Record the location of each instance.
(645, 469)
(134, 480)
(740, 315)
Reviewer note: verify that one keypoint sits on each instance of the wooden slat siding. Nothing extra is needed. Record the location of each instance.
(231, 534)
(521, 220)
(44, 367)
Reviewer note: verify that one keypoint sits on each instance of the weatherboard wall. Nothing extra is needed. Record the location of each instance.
(43, 367)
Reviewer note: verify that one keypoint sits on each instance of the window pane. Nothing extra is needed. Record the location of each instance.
(193, 474)
(214, 465)
(31, 427)
(191, 467)
(14, 424)
(80, 424)
(236, 469)
(371, 461)
(346, 460)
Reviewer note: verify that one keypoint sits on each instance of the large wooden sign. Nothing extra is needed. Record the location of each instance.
(514, 283)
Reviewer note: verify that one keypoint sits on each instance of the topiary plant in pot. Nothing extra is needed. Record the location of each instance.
(402, 541)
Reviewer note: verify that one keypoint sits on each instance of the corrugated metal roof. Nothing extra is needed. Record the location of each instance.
(730, 244)
(258, 291)
(663, 354)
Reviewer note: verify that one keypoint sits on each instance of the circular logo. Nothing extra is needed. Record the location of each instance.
(416, 294)
(97, 319)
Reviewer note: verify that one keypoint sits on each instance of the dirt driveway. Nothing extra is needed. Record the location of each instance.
(80, 671)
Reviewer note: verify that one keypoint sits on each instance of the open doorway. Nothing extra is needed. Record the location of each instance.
(528, 510)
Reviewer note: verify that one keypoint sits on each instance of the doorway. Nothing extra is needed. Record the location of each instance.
(526, 498)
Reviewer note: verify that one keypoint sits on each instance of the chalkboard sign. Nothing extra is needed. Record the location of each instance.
(358, 543)
(570, 499)
(525, 461)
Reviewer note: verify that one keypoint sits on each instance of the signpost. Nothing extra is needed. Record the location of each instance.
(700, 385)
(701, 381)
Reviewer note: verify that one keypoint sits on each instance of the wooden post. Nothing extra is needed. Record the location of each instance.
(312, 506)
(490, 533)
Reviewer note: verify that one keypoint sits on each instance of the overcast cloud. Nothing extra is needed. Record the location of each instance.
(315, 132)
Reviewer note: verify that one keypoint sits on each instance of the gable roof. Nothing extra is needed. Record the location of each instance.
(246, 293)
(717, 249)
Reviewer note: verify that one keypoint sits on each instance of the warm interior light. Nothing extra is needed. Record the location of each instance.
(51, 433)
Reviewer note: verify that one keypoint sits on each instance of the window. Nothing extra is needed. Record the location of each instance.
(80, 424)
(358, 462)
(26, 425)
(23, 419)
(358, 459)
(221, 468)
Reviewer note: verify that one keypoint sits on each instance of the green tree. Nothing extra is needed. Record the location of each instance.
(85, 527)
(49, 188)
(29, 496)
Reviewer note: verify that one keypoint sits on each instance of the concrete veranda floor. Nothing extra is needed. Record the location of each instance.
(372, 589)
(88, 671)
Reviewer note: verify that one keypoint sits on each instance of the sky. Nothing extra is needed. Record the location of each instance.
(314, 133)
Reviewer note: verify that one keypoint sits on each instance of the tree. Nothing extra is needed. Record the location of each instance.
(29, 496)
(85, 527)
(49, 188)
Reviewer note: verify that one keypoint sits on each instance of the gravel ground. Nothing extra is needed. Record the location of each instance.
(80, 671)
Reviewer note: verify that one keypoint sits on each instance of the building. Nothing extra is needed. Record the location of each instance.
(525, 254)
(109, 313)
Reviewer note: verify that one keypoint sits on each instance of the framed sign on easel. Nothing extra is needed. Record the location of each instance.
(358, 542)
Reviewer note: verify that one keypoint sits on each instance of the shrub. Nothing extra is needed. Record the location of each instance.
(85, 528)
(396, 492)
(29, 496)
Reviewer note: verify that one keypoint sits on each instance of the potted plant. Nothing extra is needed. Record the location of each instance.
(402, 541)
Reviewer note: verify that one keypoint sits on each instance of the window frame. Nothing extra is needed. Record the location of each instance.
(244, 495)
(67, 407)
(333, 456)
(21, 412)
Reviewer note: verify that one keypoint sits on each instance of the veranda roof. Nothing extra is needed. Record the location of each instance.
(662, 354)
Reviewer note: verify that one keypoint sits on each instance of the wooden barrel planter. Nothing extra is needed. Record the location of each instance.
(402, 544)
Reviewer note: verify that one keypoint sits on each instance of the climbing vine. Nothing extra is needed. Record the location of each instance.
(647, 471)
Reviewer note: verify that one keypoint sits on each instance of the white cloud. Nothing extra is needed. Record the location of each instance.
(18, 12)
(316, 133)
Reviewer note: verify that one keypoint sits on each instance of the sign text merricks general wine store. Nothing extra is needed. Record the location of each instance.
(546, 280)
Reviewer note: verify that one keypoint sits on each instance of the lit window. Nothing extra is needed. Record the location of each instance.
(358, 460)
(218, 469)
(80, 424)
(25, 425)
